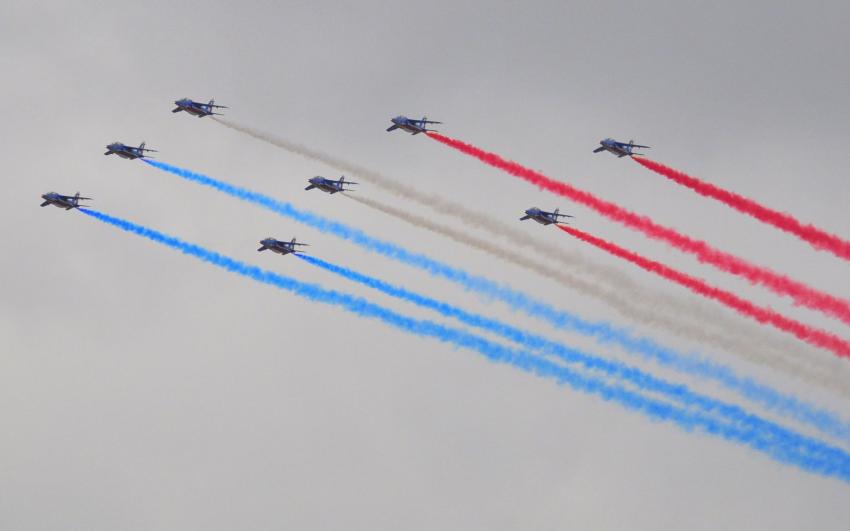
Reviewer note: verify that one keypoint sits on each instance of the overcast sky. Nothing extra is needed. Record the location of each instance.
(142, 389)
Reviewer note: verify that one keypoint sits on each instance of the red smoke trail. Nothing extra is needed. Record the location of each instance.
(819, 239)
(801, 293)
(813, 336)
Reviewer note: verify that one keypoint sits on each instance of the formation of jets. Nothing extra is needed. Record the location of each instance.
(330, 186)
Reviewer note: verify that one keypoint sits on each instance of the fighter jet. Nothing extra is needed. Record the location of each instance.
(329, 186)
(127, 152)
(280, 247)
(543, 217)
(63, 201)
(196, 108)
(621, 149)
(412, 126)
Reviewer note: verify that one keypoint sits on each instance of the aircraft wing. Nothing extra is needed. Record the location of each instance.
(638, 146)
(392, 127)
(597, 150)
(71, 197)
(525, 218)
(427, 122)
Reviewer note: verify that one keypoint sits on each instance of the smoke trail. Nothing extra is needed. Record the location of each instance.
(675, 308)
(825, 421)
(813, 336)
(777, 283)
(621, 303)
(817, 238)
(781, 444)
(600, 331)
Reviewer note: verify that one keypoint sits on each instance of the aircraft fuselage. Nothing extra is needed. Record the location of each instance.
(195, 111)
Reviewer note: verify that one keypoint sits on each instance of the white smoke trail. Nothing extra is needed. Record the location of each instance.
(624, 305)
(626, 295)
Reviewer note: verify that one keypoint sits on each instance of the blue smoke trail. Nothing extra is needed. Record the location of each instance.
(535, 342)
(825, 421)
(780, 444)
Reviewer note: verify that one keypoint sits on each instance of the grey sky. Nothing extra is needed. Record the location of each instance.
(141, 389)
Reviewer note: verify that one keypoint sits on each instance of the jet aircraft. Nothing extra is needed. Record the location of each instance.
(280, 247)
(329, 186)
(411, 126)
(197, 108)
(63, 201)
(543, 217)
(621, 149)
(127, 152)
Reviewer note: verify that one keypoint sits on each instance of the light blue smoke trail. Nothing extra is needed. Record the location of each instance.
(534, 342)
(780, 444)
(825, 421)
